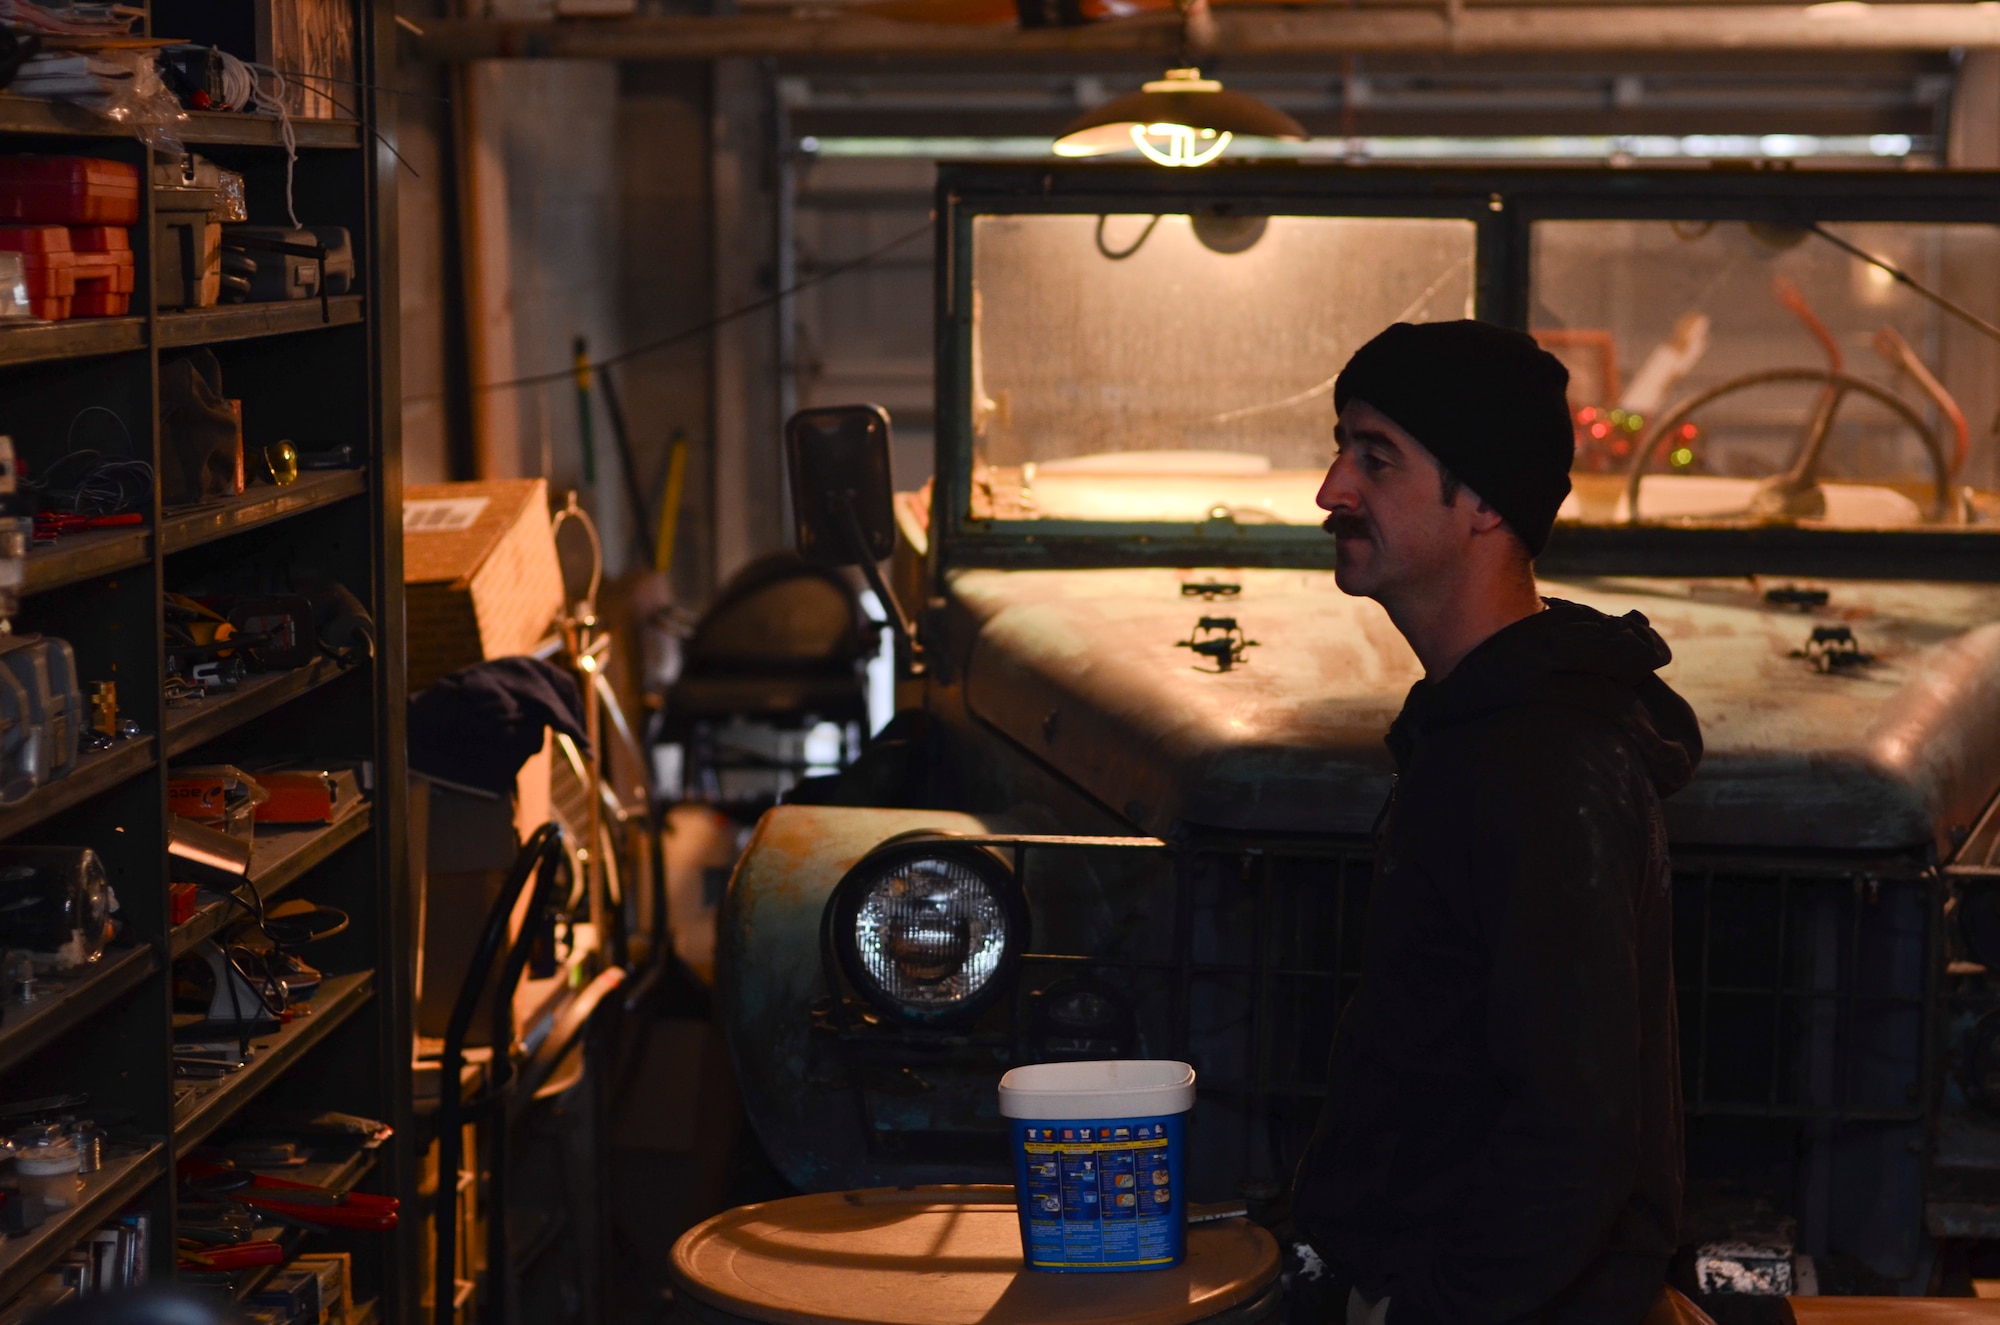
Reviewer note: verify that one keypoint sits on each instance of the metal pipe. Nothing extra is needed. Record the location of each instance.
(1295, 34)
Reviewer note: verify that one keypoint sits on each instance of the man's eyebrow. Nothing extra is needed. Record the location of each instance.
(1371, 437)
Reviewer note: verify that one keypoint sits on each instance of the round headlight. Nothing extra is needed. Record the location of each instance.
(926, 933)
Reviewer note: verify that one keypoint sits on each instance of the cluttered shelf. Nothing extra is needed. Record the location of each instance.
(282, 855)
(259, 506)
(76, 338)
(19, 114)
(96, 771)
(202, 1106)
(207, 326)
(206, 719)
(209, 128)
(84, 555)
(341, 1175)
(121, 1178)
(65, 1000)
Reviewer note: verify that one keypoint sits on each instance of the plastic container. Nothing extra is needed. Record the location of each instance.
(35, 239)
(68, 190)
(48, 267)
(45, 1168)
(100, 304)
(49, 275)
(100, 238)
(13, 288)
(1100, 1157)
(104, 282)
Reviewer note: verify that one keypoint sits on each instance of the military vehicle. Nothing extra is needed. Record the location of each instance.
(1125, 809)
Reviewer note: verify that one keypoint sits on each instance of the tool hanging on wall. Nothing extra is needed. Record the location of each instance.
(583, 432)
(642, 524)
(670, 503)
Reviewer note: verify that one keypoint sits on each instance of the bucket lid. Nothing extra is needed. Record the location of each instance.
(1107, 1088)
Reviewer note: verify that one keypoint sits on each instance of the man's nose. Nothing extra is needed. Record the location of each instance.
(1336, 493)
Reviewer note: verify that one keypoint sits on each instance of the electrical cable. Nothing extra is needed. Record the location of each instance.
(1902, 277)
(568, 373)
(103, 485)
(243, 88)
(1121, 255)
(345, 109)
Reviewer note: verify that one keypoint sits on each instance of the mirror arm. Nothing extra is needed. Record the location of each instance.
(892, 607)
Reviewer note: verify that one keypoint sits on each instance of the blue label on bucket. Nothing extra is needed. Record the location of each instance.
(1100, 1195)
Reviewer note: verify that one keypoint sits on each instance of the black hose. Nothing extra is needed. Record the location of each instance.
(540, 857)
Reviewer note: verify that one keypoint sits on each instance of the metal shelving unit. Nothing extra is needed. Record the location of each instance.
(94, 774)
(85, 556)
(320, 375)
(105, 1192)
(204, 1107)
(213, 718)
(208, 326)
(68, 1001)
(280, 859)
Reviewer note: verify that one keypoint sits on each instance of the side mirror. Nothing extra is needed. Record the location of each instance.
(841, 489)
(843, 499)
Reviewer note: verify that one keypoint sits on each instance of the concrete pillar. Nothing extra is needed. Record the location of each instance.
(748, 477)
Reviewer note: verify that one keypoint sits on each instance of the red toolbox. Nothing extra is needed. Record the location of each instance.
(100, 239)
(35, 239)
(81, 271)
(103, 285)
(94, 274)
(68, 190)
(104, 270)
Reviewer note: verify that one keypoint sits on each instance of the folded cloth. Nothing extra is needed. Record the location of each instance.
(476, 727)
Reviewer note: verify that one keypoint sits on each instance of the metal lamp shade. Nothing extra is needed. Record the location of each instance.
(1108, 128)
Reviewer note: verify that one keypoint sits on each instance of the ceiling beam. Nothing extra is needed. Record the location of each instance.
(1292, 33)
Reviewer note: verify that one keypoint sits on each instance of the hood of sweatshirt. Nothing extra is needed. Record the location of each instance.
(1577, 657)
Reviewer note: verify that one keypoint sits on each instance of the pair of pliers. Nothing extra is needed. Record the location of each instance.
(293, 1202)
(229, 1256)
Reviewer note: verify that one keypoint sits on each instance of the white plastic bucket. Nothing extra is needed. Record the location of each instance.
(1100, 1162)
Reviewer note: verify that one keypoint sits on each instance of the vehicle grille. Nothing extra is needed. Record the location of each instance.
(1805, 986)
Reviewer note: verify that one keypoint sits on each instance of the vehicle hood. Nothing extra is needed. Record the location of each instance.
(1084, 670)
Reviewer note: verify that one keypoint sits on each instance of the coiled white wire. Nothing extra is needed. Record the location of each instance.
(243, 86)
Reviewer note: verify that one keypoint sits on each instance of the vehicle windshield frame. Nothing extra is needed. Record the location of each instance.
(1504, 205)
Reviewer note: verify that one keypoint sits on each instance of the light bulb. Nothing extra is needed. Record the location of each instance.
(1184, 146)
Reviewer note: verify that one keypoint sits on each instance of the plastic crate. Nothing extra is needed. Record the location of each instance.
(68, 190)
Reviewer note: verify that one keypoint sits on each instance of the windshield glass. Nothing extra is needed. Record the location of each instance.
(1175, 368)
(1731, 372)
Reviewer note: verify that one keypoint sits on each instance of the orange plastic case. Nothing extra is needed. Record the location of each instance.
(69, 190)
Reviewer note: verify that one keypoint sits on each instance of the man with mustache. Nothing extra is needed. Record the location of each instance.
(1501, 1139)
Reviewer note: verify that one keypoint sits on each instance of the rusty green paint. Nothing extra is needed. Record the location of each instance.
(768, 976)
(1081, 669)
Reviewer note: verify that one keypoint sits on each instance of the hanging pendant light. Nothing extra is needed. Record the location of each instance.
(1180, 120)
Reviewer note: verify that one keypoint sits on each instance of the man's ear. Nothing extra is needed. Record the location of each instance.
(1485, 519)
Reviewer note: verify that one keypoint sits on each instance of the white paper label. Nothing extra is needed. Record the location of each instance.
(442, 515)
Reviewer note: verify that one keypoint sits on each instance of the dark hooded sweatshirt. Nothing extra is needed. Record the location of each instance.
(1502, 1133)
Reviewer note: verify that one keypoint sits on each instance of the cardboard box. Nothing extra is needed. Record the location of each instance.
(469, 849)
(480, 573)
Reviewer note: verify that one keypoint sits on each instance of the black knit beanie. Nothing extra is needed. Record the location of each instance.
(1486, 401)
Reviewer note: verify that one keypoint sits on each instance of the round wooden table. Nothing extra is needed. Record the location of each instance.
(949, 1256)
